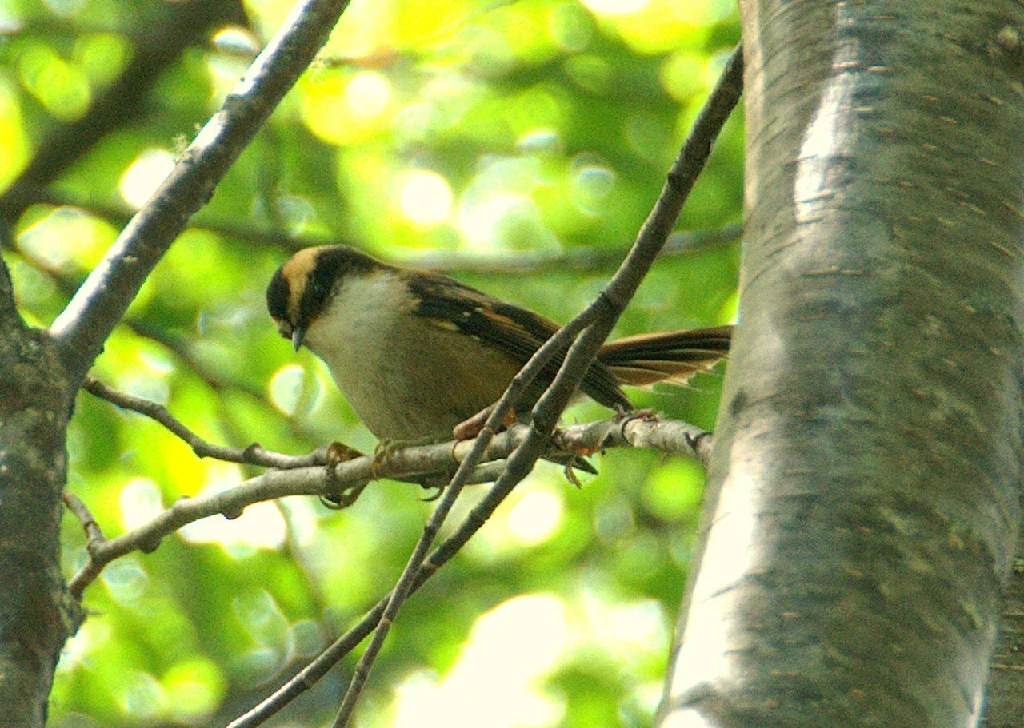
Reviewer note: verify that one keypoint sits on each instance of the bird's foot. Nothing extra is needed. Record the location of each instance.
(339, 495)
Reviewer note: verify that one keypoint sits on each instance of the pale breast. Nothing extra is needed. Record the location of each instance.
(406, 377)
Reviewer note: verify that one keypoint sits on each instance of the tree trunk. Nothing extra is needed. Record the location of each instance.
(863, 503)
(35, 617)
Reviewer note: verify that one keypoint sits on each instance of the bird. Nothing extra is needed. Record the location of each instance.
(417, 353)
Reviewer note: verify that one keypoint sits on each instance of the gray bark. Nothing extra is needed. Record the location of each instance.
(863, 503)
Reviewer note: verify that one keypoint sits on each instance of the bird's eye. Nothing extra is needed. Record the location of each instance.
(285, 329)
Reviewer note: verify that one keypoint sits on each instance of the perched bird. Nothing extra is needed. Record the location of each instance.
(418, 353)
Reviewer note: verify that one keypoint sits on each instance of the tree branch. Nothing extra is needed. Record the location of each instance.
(597, 320)
(252, 455)
(680, 242)
(408, 464)
(81, 329)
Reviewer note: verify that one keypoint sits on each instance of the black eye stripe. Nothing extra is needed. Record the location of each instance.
(278, 293)
(317, 291)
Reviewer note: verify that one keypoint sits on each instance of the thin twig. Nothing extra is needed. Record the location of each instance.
(251, 455)
(93, 532)
(585, 258)
(596, 322)
(646, 430)
(609, 305)
(681, 242)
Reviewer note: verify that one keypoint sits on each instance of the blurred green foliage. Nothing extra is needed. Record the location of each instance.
(464, 126)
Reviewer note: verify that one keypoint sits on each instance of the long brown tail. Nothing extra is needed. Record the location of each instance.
(668, 356)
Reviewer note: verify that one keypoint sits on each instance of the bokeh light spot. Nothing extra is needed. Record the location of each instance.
(144, 176)
(493, 682)
(536, 517)
(424, 197)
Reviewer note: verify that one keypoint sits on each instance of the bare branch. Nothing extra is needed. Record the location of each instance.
(101, 302)
(680, 242)
(646, 430)
(92, 529)
(598, 320)
(413, 464)
(405, 464)
(252, 455)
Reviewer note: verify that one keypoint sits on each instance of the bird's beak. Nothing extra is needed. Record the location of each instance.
(297, 336)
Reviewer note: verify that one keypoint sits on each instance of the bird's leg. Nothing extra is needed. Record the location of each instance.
(473, 426)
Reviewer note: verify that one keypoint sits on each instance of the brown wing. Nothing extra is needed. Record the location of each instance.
(511, 329)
